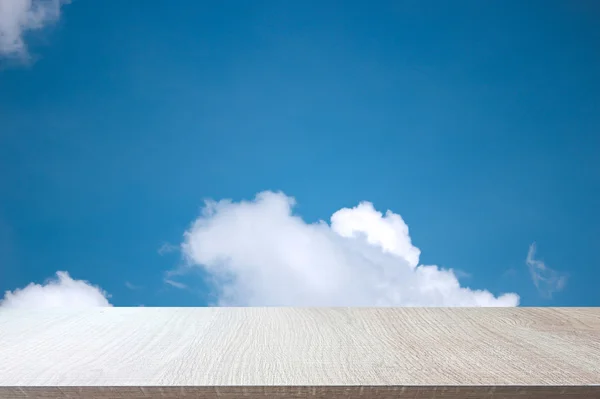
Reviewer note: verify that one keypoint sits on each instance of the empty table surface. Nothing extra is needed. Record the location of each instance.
(137, 347)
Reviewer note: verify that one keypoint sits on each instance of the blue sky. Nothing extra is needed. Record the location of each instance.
(477, 122)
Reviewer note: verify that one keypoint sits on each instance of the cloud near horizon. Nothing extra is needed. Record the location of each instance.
(175, 284)
(258, 253)
(17, 17)
(546, 280)
(63, 292)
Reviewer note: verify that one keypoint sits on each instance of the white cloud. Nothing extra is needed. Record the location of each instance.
(61, 292)
(546, 280)
(258, 253)
(19, 16)
(175, 284)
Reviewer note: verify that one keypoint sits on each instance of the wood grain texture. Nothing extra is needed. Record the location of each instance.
(312, 392)
(286, 347)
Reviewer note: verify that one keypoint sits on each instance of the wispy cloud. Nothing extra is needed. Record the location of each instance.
(546, 280)
(462, 274)
(167, 248)
(17, 17)
(175, 284)
(60, 292)
(258, 253)
(131, 286)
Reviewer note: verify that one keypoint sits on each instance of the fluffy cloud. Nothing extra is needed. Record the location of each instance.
(546, 280)
(258, 253)
(61, 292)
(19, 16)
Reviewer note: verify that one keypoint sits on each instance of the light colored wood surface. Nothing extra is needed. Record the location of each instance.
(304, 392)
(300, 346)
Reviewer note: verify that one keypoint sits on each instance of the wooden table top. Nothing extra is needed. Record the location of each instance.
(382, 349)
